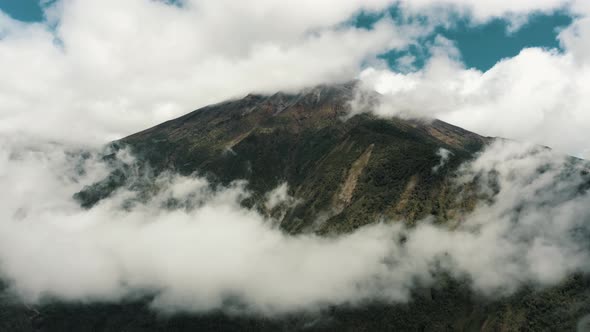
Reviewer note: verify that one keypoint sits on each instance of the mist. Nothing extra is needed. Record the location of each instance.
(209, 252)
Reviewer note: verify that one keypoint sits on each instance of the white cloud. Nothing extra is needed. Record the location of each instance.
(113, 67)
(577, 41)
(106, 69)
(444, 155)
(538, 96)
(110, 68)
(195, 257)
(484, 10)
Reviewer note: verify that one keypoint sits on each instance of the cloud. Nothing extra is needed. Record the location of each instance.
(444, 155)
(536, 96)
(106, 69)
(194, 258)
(577, 41)
(97, 71)
(209, 252)
(484, 10)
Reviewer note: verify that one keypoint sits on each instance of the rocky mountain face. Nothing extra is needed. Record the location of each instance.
(344, 171)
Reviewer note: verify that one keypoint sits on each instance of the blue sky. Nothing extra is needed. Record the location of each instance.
(24, 10)
(480, 46)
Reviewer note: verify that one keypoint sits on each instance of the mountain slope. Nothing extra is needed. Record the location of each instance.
(344, 172)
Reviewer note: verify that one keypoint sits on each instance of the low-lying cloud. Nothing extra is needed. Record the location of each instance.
(530, 227)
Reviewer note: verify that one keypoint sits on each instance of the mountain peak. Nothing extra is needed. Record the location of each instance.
(344, 170)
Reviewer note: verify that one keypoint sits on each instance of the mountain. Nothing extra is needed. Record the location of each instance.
(344, 171)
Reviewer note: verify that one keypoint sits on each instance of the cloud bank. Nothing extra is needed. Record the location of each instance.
(211, 253)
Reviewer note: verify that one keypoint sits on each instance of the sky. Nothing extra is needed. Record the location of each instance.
(24, 10)
(480, 46)
(77, 74)
(114, 68)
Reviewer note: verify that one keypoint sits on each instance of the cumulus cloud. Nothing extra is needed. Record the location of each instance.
(540, 95)
(110, 68)
(107, 69)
